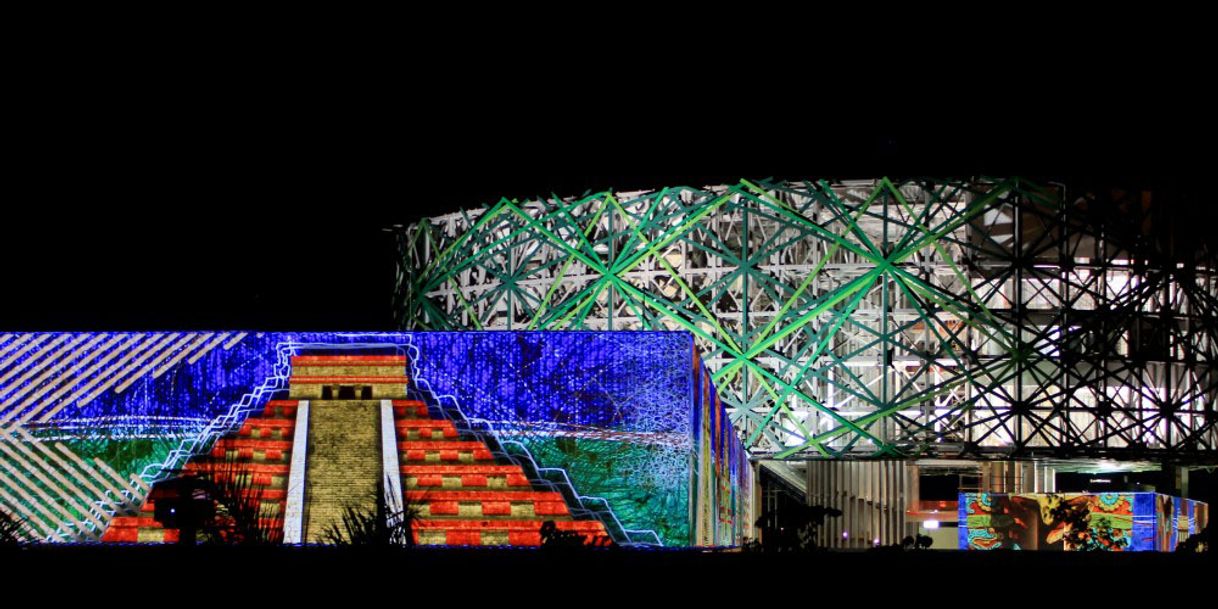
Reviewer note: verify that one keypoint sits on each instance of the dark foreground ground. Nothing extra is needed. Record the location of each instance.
(168, 576)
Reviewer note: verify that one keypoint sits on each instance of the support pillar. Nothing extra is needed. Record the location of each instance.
(872, 496)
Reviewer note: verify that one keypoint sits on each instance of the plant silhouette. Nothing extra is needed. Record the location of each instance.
(793, 528)
(13, 532)
(384, 525)
(221, 501)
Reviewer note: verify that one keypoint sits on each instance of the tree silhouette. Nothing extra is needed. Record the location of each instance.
(13, 532)
(220, 500)
(1197, 542)
(384, 525)
(920, 542)
(794, 527)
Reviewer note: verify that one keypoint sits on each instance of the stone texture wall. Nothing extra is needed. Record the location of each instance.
(344, 461)
(387, 371)
(309, 391)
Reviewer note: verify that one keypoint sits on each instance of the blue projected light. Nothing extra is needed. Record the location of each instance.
(613, 416)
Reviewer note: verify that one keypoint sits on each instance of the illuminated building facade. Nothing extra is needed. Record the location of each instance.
(618, 438)
(975, 319)
(857, 328)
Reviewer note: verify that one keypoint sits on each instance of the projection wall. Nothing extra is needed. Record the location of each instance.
(1108, 521)
(90, 421)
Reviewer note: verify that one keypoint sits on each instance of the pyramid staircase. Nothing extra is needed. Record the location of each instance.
(465, 496)
(463, 486)
(262, 447)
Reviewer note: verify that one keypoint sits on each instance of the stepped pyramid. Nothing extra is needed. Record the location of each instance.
(349, 422)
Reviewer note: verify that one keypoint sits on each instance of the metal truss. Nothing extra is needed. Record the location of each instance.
(984, 319)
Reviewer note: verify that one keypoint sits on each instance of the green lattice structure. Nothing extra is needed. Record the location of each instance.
(992, 318)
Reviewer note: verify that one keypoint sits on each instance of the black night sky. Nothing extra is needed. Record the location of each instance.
(236, 171)
(190, 193)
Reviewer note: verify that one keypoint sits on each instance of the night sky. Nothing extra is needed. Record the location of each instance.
(155, 202)
(196, 185)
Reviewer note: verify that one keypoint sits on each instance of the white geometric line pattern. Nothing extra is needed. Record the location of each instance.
(59, 494)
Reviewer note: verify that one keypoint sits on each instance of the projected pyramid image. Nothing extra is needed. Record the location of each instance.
(611, 436)
(348, 424)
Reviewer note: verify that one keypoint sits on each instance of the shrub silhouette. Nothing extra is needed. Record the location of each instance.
(13, 532)
(381, 526)
(220, 501)
(794, 528)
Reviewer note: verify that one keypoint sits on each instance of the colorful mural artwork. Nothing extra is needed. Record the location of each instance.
(1078, 521)
(629, 422)
(722, 474)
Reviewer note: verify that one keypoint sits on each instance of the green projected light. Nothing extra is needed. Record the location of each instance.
(989, 318)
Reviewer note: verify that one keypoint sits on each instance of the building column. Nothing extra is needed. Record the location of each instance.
(872, 496)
